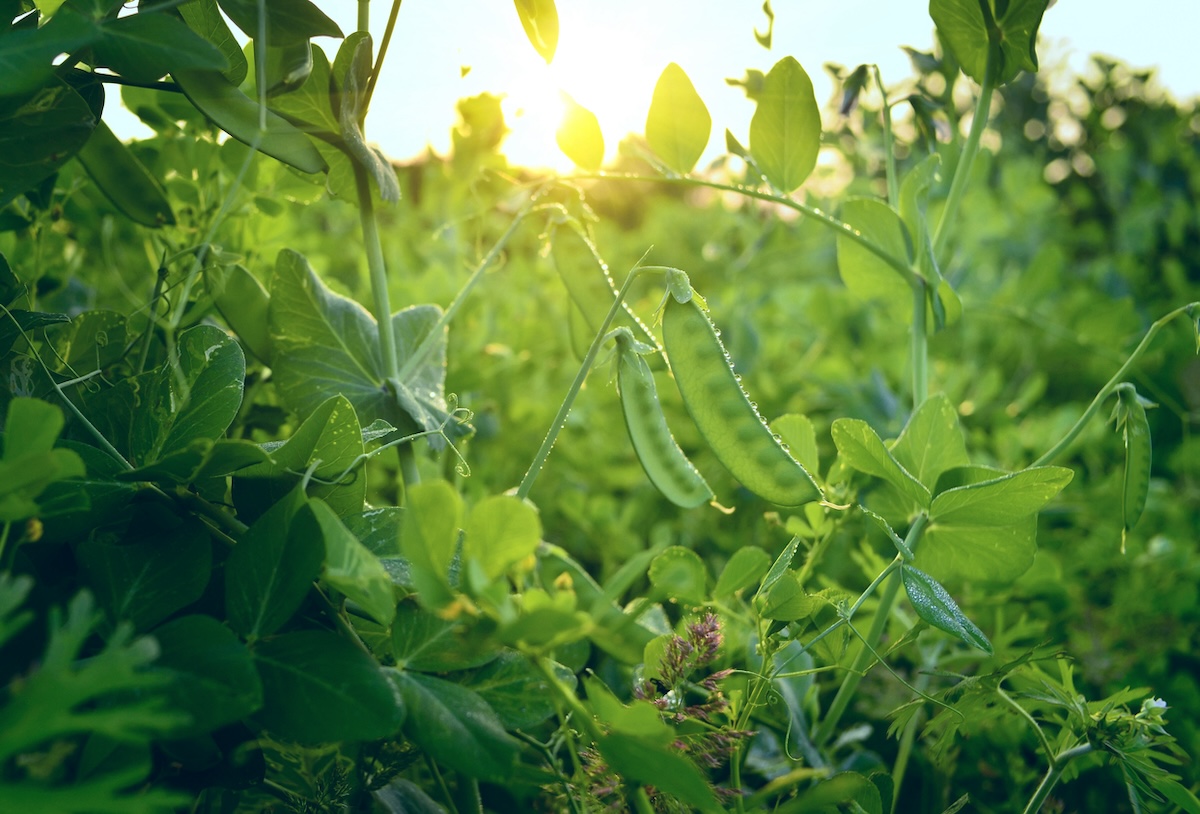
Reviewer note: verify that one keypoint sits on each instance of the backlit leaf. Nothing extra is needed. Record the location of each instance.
(579, 136)
(539, 18)
(785, 132)
(678, 126)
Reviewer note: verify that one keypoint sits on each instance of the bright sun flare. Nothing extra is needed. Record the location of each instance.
(616, 89)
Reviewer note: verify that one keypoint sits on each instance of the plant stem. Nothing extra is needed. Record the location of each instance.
(1111, 386)
(886, 600)
(919, 346)
(363, 22)
(159, 282)
(4, 566)
(1052, 775)
(539, 460)
(383, 47)
(441, 781)
(963, 171)
(378, 272)
(893, 183)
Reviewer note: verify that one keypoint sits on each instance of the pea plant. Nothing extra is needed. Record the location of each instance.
(245, 562)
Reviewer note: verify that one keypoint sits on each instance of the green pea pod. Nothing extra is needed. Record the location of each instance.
(124, 180)
(723, 413)
(237, 114)
(243, 302)
(1136, 433)
(665, 463)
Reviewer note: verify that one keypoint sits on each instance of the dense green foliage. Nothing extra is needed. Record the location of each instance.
(269, 544)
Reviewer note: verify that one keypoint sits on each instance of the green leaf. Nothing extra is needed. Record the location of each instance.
(320, 688)
(124, 180)
(744, 569)
(501, 531)
(800, 438)
(212, 674)
(1177, 794)
(679, 573)
(864, 273)
(456, 726)
(324, 344)
(1000, 500)
(30, 464)
(841, 788)
(988, 554)
(200, 459)
(647, 762)
(288, 21)
(786, 600)
(244, 303)
(781, 565)
(516, 691)
(678, 125)
(935, 605)
(18, 320)
(579, 136)
(351, 568)
(639, 718)
(932, 441)
(39, 134)
(271, 569)
(331, 438)
(150, 574)
(785, 132)
(204, 17)
(27, 58)
(401, 796)
(355, 56)
(424, 641)
(197, 398)
(311, 102)
(429, 538)
(539, 18)
(863, 450)
(968, 29)
(147, 46)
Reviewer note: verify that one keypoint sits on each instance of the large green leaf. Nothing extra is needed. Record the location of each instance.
(429, 538)
(744, 569)
(865, 273)
(678, 125)
(785, 132)
(271, 569)
(951, 552)
(287, 21)
(321, 688)
(351, 568)
(30, 463)
(352, 73)
(999, 500)
(197, 398)
(648, 762)
(157, 569)
(970, 28)
(27, 58)
(425, 641)
(579, 136)
(212, 674)
(863, 450)
(679, 573)
(932, 441)
(39, 134)
(456, 726)
(147, 46)
(501, 531)
(312, 102)
(324, 344)
(516, 690)
(204, 17)
(201, 458)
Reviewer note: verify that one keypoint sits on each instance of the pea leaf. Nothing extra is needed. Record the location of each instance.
(744, 569)
(320, 688)
(678, 125)
(39, 134)
(204, 17)
(786, 600)
(515, 690)
(27, 59)
(351, 568)
(501, 531)
(424, 641)
(579, 136)
(429, 538)
(539, 18)
(935, 605)
(1000, 500)
(30, 464)
(643, 760)
(931, 441)
(785, 132)
(679, 573)
(969, 30)
(288, 21)
(147, 46)
(456, 726)
(864, 450)
(865, 274)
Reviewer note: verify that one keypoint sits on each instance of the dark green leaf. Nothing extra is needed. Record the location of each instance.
(271, 569)
(785, 132)
(935, 605)
(456, 726)
(212, 674)
(204, 17)
(164, 568)
(351, 568)
(17, 320)
(402, 796)
(123, 179)
(645, 761)
(26, 60)
(147, 46)
(968, 29)
(39, 134)
(424, 641)
(288, 21)
(320, 688)
(516, 690)
(200, 459)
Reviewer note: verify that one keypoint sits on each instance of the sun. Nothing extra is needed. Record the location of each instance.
(616, 87)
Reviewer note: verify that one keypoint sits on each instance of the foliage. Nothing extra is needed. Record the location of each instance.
(317, 555)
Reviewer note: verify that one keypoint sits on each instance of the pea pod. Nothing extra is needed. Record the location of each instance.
(237, 114)
(124, 180)
(723, 413)
(665, 463)
(244, 303)
(1136, 434)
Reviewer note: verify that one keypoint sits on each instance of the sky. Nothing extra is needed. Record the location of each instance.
(611, 52)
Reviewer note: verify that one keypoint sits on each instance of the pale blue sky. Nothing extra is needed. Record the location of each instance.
(611, 52)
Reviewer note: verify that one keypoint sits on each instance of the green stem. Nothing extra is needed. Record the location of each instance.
(1110, 387)
(840, 227)
(1024, 713)
(893, 183)
(364, 16)
(1052, 776)
(4, 565)
(159, 282)
(641, 801)
(431, 338)
(441, 781)
(963, 171)
(904, 750)
(378, 272)
(539, 460)
(409, 474)
(383, 47)
(919, 346)
(886, 600)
